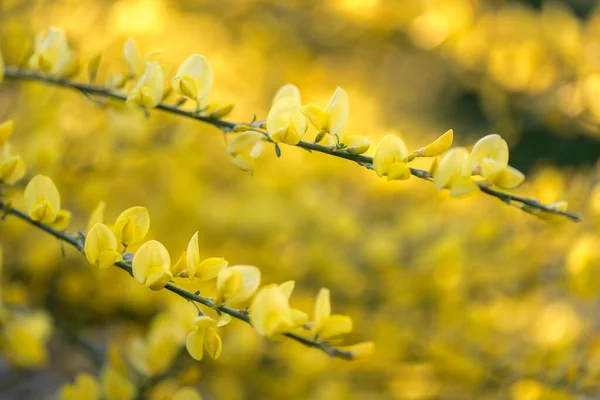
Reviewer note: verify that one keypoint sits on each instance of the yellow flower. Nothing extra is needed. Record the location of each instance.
(236, 285)
(135, 62)
(270, 311)
(206, 269)
(332, 119)
(25, 339)
(132, 225)
(53, 55)
(85, 387)
(101, 247)
(390, 158)
(115, 385)
(326, 325)
(489, 159)
(453, 171)
(194, 79)
(438, 146)
(149, 90)
(203, 337)
(285, 121)
(152, 265)
(245, 148)
(357, 144)
(187, 393)
(42, 201)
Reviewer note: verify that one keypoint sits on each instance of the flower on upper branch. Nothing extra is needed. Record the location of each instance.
(152, 265)
(236, 285)
(203, 337)
(132, 225)
(42, 200)
(325, 325)
(149, 89)
(333, 119)
(391, 158)
(270, 311)
(489, 159)
(194, 79)
(453, 171)
(12, 167)
(53, 55)
(245, 148)
(101, 246)
(195, 267)
(285, 121)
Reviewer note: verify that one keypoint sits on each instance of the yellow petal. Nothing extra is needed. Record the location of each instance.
(490, 146)
(390, 150)
(213, 343)
(194, 343)
(133, 225)
(42, 201)
(236, 285)
(288, 90)
(510, 178)
(462, 185)
(180, 265)
(98, 241)
(194, 78)
(6, 130)
(151, 263)
(285, 122)
(63, 219)
(491, 169)
(270, 312)
(210, 268)
(357, 144)
(244, 142)
(338, 113)
(398, 171)
(335, 325)
(149, 89)
(439, 146)
(134, 60)
(316, 115)
(322, 310)
(452, 165)
(287, 288)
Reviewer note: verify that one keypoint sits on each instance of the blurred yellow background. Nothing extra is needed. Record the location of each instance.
(464, 298)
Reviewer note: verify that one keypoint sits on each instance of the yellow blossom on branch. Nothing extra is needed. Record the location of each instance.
(42, 200)
(203, 337)
(194, 79)
(152, 265)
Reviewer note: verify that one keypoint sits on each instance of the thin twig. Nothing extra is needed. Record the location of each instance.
(126, 266)
(228, 126)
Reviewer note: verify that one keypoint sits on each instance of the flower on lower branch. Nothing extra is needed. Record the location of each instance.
(101, 247)
(203, 337)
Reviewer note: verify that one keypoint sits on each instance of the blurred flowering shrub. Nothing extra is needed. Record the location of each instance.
(130, 158)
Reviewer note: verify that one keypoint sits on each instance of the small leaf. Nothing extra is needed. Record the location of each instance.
(277, 150)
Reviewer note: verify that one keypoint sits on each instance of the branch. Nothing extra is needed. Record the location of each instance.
(228, 126)
(126, 266)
